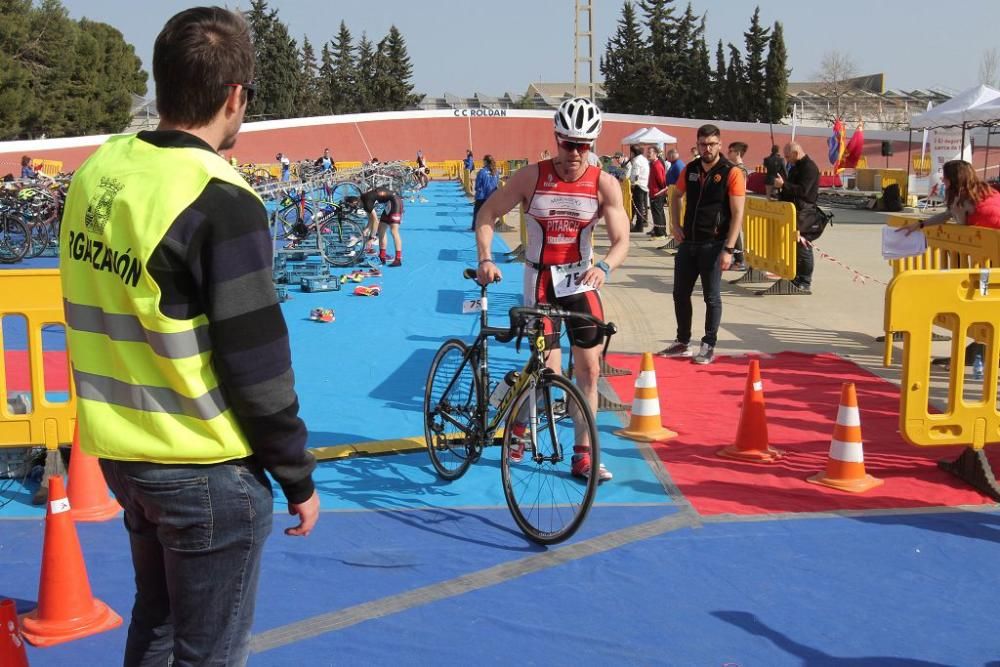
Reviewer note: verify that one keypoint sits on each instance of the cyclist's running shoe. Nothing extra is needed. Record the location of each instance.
(581, 468)
(517, 443)
(397, 262)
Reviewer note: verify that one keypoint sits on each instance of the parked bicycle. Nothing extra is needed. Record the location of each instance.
(547, 502)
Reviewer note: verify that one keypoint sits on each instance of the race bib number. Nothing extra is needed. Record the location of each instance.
(473, 305)
(567, 277)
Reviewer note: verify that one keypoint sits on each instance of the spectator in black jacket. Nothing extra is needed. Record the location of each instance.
(801, 188)
(774, 165)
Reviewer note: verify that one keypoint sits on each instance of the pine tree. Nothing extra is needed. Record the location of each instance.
(776, 75)
(720, 104)
(119, 75)
(736, 100)
(50, 57)
(344, 74)
(701, 76)
(326, 79)
(623, 67)
(364, 87)
(661, 65)
(16, 96)
(277, 64)
(307, 97)
(396, 73)
(756, 42)
(682, 96)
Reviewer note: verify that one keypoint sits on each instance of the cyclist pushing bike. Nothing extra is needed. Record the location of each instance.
(563, 198)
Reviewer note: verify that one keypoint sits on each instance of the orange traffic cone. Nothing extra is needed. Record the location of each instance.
(644, 424)
(12, 651)
(751, 435)
(88, 492)
(66, 609)
(845, 469)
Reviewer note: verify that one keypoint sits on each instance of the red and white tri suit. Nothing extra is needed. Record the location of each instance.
(560, 223)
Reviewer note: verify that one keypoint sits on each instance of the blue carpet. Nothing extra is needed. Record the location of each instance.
(895, 590)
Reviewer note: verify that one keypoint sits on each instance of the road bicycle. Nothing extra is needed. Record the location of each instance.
(536, 413)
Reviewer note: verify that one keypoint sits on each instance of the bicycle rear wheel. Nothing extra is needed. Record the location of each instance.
(343, 243)
(451, 402)
(15, 242)
(546, 501)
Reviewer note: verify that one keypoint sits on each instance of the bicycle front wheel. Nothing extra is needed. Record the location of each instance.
(451, 401)
(548, 503)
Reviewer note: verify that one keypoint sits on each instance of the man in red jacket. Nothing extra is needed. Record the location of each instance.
(657, 193)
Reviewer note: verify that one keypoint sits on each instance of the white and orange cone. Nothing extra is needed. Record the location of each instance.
(751, 434)
(845, 468)
(644, 424)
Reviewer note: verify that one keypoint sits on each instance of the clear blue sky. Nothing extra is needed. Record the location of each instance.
(467, 46)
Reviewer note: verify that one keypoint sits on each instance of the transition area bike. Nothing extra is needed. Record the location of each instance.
(537, 418)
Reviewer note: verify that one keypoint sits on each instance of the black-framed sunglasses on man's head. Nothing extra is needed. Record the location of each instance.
(249, 87)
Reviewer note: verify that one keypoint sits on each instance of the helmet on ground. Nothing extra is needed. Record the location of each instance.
(578, 118)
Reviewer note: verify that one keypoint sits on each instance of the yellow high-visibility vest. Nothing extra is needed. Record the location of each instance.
(146, 387)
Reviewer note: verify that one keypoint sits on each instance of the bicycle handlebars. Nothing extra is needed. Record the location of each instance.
(520, 316)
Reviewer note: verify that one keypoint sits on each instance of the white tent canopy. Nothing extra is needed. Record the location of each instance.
(988, 113)
(655, 135)
(630, 139)
(956, 111)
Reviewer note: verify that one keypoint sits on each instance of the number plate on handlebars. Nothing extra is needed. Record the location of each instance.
(566, 279)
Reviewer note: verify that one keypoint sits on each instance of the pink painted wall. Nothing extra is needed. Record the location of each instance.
(445, 137)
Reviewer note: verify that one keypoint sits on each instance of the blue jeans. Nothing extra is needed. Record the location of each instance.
(693, 261)
(197, 534)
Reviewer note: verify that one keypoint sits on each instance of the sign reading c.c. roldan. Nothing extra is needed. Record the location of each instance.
(470, 113)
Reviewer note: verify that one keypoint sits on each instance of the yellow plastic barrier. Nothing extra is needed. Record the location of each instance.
(348, 164)
(49, 167)
(915, 300)
(35, 295)
(627, 200)
(769, 236)
(948, 247)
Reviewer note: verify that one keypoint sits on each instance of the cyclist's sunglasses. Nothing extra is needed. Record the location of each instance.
(579, 146)
(249, 87)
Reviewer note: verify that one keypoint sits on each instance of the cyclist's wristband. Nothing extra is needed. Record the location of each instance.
(603, 266)
(484, 261)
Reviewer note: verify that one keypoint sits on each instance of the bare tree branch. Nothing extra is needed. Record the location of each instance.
(989, 68)
(835, 69)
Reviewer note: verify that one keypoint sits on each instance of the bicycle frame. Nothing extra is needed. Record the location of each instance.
(477, 355)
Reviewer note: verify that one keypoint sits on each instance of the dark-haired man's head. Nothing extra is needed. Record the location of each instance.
(709, 143)
(203, 64)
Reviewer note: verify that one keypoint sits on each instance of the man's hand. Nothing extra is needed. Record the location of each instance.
(308, 513)
(909, 228)
(488, 272)
(677, 232)
(594, 277)
(725, 259)
(804, 241)
(779, 182)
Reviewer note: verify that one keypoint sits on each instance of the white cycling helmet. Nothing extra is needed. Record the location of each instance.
(578, 118)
